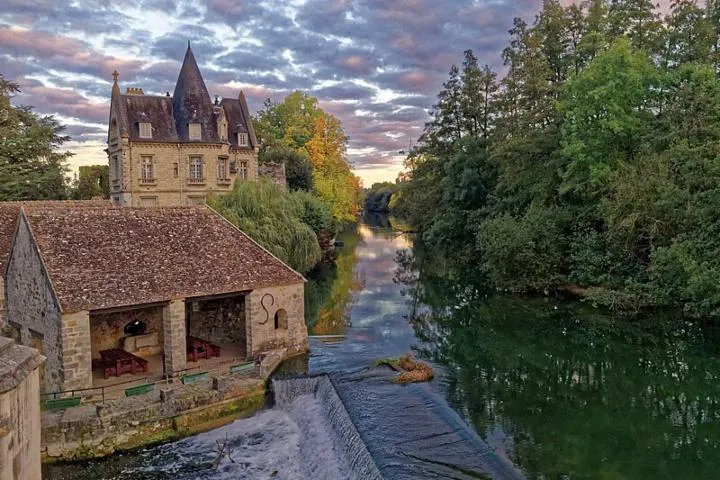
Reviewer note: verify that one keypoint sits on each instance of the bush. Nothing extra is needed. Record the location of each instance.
(276, 219)
(524, 253)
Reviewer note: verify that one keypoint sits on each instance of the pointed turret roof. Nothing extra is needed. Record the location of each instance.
(191, 101)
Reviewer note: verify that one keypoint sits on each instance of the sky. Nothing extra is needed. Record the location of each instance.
(377, 65)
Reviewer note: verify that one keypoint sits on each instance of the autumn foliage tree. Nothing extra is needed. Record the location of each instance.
(298, 124)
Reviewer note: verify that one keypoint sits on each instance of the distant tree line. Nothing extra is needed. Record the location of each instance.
(593, 163)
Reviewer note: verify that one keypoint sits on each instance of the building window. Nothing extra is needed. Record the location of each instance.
(242, 139)
(196, 169)
(147, 168)
(176, 170)
(243, 170)
(145, 130)
(222, 164)
(281, 320)
(148, 201)
(194, 131)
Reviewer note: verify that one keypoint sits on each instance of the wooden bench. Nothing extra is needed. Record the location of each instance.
(139, 390)
(198, 348)
(117, 361)
(61, 403)
(194, 378)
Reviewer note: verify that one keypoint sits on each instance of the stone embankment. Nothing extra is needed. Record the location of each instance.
(169, 412)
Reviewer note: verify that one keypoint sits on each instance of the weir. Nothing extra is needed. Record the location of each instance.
(288, 391)
(396, 432)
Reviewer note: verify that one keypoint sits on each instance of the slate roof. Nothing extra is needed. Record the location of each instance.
(238, 118)
(10, 212)
(156, 110)
(122, 256)
(190, 103)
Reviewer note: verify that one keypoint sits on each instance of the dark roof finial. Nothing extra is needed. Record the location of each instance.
(188, 44)
(115, 76)
(217, 99)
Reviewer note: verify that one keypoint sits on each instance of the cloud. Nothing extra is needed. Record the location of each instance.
(375, 64)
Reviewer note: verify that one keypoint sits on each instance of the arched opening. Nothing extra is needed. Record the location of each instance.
(281, 319)
(136, 327)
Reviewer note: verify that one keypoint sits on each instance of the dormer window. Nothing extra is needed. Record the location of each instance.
(242, 139)
(194, 131)
(145, 130)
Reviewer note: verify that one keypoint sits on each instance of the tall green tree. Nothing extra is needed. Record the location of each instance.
(32, 167)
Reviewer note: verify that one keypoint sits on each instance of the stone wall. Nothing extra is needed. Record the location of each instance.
(19, 412)
(32, 306)
(219, 321)
(107, 330)
(261, 305)
(166, 414)
(274, 172)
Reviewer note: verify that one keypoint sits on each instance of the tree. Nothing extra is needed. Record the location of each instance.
(93, 182)
(297, 124)
(31, 167)
(607, 114)
(286, 223)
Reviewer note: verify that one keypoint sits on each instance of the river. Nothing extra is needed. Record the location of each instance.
(561, 389)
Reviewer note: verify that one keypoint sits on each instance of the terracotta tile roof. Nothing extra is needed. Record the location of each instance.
(120, 256)
(9, 212)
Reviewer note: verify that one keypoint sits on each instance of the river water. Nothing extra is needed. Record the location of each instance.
(560, 389)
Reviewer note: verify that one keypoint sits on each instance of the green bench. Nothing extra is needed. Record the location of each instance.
(61, 403)
(139, 390)
(242, 367)
(194, 378)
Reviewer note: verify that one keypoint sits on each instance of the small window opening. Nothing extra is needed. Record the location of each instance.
(242, 139)
(136, 327)
(281, 319)
(145, 130)
(194, 131)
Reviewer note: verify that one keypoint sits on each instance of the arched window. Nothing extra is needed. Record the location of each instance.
(136, 327)
(281, 319)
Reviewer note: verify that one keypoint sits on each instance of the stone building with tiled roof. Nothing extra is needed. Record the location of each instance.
(170, 151)
(84, 279)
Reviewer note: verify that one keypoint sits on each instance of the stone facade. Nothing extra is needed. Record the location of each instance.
(261, 307)
(171, 163)
(19, 412)
(32, 306)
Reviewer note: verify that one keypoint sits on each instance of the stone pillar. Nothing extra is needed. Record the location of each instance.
(76, 354)
(173, 317)
(252, 313)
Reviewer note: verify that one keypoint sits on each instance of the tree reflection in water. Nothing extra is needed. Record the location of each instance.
(566, 390)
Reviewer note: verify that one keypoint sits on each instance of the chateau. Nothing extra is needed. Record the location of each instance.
(170, 151)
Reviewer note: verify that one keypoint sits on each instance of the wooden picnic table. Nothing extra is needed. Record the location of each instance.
(117, 361)
(199, 348)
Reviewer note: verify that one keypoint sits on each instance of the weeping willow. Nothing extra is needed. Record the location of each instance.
(276, 219)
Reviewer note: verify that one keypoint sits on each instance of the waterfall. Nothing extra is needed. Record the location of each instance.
(288, 391)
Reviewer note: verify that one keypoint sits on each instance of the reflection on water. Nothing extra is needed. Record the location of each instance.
(562, 389)
(358, 297)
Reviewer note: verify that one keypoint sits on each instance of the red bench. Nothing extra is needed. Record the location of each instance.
(117, 361)
(198, 348)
